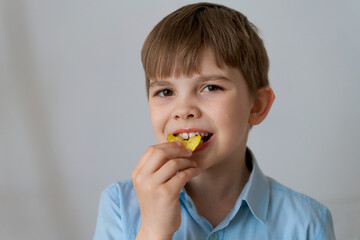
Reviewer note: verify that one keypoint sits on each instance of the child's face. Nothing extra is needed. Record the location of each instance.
(215, 101)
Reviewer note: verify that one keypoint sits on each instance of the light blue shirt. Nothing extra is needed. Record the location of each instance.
(264, 210)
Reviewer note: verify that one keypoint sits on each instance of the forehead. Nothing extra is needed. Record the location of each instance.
(207, 68)
(175, 63)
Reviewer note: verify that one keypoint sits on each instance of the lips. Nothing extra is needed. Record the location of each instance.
(191, 132)
(186, 133)
(204, 144)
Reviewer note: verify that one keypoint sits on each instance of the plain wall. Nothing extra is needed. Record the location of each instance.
(74, 117)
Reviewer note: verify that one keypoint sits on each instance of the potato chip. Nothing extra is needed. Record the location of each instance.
(191, 143)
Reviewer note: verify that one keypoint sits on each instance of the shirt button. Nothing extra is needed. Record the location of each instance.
(214, 236)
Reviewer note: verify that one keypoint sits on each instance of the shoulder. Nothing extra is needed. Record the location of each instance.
(119, 193)
(116, 189)
(299, 212)
(119, 213)
(288, 198)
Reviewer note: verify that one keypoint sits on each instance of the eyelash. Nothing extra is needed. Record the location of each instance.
(161, 92)
(217, 88)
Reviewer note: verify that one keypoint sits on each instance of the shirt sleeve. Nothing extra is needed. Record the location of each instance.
(328, 228)
(108, 225)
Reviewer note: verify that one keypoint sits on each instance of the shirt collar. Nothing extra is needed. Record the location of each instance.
(256, 192)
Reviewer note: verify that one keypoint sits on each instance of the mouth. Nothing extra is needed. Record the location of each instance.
(205, 136)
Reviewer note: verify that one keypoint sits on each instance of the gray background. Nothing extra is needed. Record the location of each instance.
(74, 118)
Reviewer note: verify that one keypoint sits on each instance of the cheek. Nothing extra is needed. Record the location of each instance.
(232, 119)
(230, 113)
(158, 122)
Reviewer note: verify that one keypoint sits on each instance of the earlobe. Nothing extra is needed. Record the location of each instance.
(262, 104)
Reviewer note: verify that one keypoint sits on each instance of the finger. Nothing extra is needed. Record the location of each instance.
(177, 182)
(171, 168)
(143, 159)
(154, 157)
(152, 148)
(161, 153)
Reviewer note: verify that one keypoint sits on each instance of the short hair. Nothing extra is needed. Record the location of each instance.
(175, 44)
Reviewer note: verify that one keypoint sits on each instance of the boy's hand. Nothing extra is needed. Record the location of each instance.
(158, 178)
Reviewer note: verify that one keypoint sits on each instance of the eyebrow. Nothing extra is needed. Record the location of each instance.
(211, 77)
(201, 78)
(159, 83)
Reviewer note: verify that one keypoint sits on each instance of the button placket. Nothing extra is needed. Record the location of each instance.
(213, 236)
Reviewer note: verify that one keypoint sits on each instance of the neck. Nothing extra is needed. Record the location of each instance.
(223, 182)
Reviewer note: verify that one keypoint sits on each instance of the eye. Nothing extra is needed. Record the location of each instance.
(164, 93)
(212, 88)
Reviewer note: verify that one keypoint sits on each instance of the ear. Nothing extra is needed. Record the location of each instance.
(262, 103)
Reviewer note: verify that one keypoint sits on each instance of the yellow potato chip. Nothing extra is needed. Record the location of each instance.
(191, 143)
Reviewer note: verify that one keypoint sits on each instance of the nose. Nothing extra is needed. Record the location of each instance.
(186, 110)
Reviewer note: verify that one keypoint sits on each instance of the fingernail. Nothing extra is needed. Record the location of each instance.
(178, 143)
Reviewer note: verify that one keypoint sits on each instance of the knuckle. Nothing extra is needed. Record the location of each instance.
(161, 152)
(148, 187)
(134, 176)
(136, 179)
(151, 148)
(173, 164)
(183, 174)
(163, 190)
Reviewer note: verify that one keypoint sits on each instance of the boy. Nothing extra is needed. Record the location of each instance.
(206, 74)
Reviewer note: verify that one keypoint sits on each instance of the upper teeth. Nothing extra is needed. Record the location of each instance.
(192, 134)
